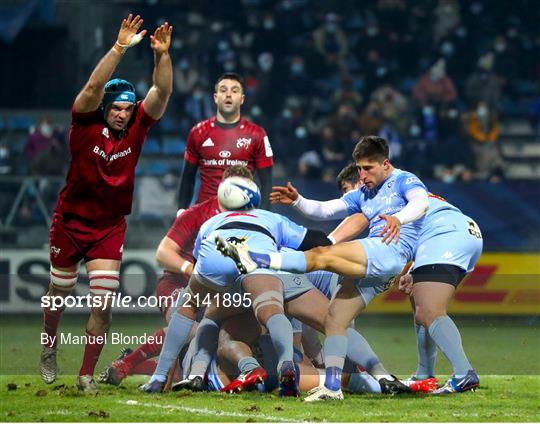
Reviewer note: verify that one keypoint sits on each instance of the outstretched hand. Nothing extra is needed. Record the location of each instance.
(391, 230)
(129, 29)
(283, 195)
(161, 40)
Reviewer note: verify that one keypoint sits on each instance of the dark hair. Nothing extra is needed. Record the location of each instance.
(371, 147)
(348, 174)
(230, 76)
(237, 171)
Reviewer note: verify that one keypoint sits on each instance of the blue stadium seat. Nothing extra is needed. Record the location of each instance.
(174, 146)
(157, 169)
(20, 122)
(168, 124)
(151, 146)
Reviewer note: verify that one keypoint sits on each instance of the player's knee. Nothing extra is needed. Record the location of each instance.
(425, 315)
(103, 283)
(333, 324)
(62, 282)
(267, 304)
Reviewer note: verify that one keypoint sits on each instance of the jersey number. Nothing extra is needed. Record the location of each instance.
(474, 230)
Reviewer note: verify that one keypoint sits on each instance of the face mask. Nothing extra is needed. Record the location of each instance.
(266, 62)
(197, 95)
(372, 31)
(183, 65)
(268, 24)
(300, 132)
(331, 28)
(223, 45)
(286, 113)
(381, 71)
(447, 49)
(482, 112)
(229, 66)
(453, 113)
(414, 130)
(461, 32)
(46, 129)
(4, 152)
(448, 178)
(256, 111)
(428, 111)
(500, 47)
(297, 68)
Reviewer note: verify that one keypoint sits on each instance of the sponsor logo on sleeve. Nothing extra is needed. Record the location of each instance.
(267, 148)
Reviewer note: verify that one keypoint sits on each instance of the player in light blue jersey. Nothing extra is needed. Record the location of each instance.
(449, 245)
(394, 202)
(214, 274)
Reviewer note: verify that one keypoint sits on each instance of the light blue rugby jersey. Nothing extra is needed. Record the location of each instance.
(437, 203)
(386, 199)
(286, 233)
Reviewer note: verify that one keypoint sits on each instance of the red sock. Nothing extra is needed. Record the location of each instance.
(51, 320)
(146, 351)
(92, 350)
(145, 368)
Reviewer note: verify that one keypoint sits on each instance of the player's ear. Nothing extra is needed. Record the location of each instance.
(242, 99)
(215, 98)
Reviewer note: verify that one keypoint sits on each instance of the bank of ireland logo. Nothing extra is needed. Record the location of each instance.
(243, 142)
(224, 154)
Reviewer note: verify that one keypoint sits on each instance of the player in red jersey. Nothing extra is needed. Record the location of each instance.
(107, 131)
(175, 256)
(224, 140)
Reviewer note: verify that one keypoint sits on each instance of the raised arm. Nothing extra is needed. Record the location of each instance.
(157, 98)
(314, 209)
(91, 95)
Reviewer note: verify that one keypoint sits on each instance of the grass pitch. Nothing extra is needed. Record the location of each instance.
(505, 353)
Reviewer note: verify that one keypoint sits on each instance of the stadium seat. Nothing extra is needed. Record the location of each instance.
(173, 146)
(168, 124)
(20, 122)
(157, 169)
(151, 146)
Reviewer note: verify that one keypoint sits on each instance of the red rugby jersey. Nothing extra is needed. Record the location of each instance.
(186, 226)
(214, 147)
(99, 184)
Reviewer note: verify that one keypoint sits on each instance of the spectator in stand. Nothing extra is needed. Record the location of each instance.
(331, 42)
(347, 94)
(447, 18)
(371, 119)
(335, 150)
(483, 84)
(376, 70)
(198, 106)
(40, 139)
(298, 82)
(435, 87)
(394, 107)
(186, 77)
(483, 130)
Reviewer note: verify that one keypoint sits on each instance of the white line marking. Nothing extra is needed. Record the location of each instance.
(207, 411)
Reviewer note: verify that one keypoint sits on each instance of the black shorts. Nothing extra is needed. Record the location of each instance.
(439, 273)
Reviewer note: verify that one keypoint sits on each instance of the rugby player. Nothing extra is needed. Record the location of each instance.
(107, 132)
(223, 140)
(395, 202)
(216, 274)
(175, 256)
(449, 246)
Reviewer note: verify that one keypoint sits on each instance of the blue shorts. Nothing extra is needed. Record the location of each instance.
(219, 272)
(294, 285)
(449, 237)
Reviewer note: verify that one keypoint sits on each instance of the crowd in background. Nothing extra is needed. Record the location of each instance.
(429, 76)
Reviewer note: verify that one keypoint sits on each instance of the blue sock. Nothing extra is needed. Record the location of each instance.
(293, 262)
(335, 350)
(281, 333)
(177, 334)
(247, 364)
(427, 352)
(360, 352)
(206, 341)
(446, 335)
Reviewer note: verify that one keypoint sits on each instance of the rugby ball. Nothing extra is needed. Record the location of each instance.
(237, 193)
